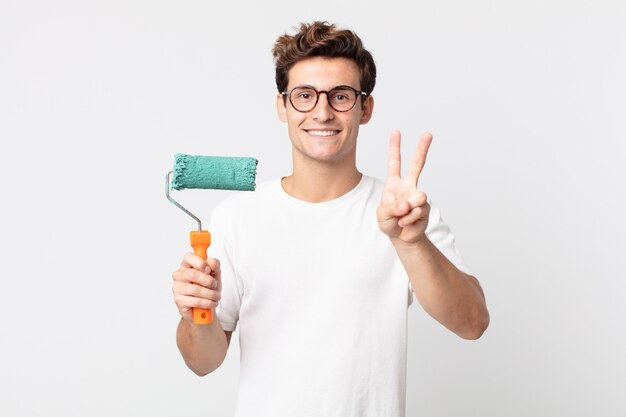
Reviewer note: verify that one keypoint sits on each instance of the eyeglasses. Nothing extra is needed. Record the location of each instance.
(341, 98)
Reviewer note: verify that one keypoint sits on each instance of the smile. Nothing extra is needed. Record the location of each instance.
(323, 132)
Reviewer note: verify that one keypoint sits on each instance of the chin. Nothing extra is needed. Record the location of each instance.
(327, 157)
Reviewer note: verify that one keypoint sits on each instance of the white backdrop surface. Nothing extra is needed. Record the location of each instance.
(527, 104)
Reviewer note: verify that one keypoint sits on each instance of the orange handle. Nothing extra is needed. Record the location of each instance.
(200, 242)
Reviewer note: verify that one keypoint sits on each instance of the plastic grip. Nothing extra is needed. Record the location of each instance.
(200, 241)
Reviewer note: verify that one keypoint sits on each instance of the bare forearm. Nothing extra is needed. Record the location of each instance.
(203, 347)
(450, 296)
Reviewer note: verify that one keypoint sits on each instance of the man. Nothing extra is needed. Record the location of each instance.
(318, 287)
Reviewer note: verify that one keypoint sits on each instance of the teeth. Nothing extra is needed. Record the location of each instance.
(322, 132)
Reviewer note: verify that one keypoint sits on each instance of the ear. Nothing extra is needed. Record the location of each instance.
(281, 110)
(367, 110)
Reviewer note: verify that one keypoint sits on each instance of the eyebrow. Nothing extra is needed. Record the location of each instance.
(333, 88)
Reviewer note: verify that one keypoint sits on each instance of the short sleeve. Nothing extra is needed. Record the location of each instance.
(232, 291)
(441, 236)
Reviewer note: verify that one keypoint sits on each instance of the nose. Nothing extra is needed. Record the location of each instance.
(322, 110)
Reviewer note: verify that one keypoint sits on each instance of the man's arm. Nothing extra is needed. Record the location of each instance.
(203, 346)
(452, 297)
(197, 283)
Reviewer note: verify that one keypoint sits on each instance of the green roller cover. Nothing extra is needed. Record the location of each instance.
(213, 172)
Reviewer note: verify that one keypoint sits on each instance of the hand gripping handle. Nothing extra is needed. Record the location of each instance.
(200, 241)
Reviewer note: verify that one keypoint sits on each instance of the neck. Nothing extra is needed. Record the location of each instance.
(316, 183)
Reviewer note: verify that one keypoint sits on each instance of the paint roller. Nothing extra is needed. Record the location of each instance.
(208, 172)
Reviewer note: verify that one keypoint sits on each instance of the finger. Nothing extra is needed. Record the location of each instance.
(418, 199)
(214, 265)
(189, 275)
(419, 158)
(184, 302)
(392, 210)
(214, 284)
(393, 155)
(416, 214)
(193, 290)
(191, 260)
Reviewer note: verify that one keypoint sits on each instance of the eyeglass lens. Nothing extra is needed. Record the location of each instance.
(339, 98)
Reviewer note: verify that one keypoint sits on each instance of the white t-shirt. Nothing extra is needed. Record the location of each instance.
(321, 300)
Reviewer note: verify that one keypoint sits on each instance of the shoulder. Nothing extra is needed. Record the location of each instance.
(376, 184)
(373, 188)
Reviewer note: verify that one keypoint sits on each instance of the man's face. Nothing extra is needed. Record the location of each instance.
(324, 134)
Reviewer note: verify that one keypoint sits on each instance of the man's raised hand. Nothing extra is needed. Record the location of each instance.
(403, 211)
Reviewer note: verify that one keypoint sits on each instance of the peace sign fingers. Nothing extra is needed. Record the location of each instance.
(403, 211)
(419, 158)
(393, 156)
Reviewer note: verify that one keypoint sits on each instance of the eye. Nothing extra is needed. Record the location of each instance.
(342, 96)
(304, 94)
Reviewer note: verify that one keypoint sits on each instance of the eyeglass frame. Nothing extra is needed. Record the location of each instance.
(287, 94)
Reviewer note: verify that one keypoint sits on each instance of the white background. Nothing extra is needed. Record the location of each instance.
(526, 101)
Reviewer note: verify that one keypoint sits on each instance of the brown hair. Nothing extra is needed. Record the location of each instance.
(325, 40)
